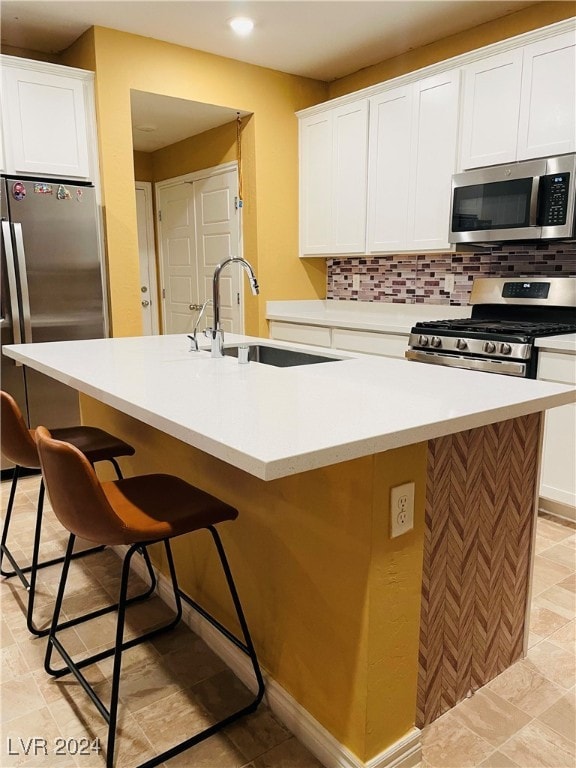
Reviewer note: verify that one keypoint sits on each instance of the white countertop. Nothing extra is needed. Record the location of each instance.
(361, 315)
(273, 422)
(383, 317)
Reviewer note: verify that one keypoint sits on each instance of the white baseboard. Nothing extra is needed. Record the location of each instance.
(405, 753)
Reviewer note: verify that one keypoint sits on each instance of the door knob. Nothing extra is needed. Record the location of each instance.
(145, 303)
(144, 289)
(195, 307)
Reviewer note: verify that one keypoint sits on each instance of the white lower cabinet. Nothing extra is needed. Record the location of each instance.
(316, 335)
(558, 479)
(350, 340)
(370, 342)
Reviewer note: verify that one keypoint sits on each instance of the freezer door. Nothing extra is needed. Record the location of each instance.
(58, 252)
(12, 375)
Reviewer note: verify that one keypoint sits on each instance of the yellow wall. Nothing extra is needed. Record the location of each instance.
(205, 150)
(332, 601)
(533, 17)
(124, 62)
(143, 168)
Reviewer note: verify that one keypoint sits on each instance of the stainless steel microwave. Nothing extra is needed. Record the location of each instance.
(529, 200)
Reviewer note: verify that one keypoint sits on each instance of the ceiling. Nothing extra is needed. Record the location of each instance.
(321, 39)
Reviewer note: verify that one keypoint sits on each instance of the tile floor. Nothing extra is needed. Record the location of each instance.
(525, 718)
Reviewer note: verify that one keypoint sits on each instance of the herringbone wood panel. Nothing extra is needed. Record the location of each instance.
(480, 496)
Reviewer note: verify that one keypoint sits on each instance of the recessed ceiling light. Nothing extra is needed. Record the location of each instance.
(146, 128)
(242, 25)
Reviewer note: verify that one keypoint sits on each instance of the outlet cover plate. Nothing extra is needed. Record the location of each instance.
(401, 509)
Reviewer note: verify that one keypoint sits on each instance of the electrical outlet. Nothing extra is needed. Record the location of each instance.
(449, 283)
(401, 509)
(356, 282)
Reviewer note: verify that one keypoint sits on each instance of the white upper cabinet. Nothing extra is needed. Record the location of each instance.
(491, 106)
(44, 119)
(333, 155)
(412, 156)
(389, 159)
(376, 166)
(520, 104)
(432, 160)
(548, 107)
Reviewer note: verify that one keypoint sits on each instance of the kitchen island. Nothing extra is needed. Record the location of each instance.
(363, 636)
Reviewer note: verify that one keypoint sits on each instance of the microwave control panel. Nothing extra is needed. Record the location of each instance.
(554, 197)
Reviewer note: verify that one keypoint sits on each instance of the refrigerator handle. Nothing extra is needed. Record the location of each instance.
(12, 285)
(23, 275)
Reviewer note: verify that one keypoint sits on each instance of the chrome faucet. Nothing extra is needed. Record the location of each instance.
(216, 333)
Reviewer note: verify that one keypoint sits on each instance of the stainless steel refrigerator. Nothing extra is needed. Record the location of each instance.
(52, 285)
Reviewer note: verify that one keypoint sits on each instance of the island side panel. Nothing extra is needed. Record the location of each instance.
(319, 577)
(480, 510)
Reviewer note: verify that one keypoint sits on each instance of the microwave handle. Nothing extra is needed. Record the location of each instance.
(533, 222)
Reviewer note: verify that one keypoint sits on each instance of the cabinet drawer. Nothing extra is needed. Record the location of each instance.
(555, 366)
(387, 344)
(316, 335)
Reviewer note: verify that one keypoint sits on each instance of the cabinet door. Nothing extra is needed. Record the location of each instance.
(389, 160)
(558, 474)
(316, 184)
(548, 107)
(46, 123)
(432, 160)
(350, 154)
(317, 335)
(490, 111)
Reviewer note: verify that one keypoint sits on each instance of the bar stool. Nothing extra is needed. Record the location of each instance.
(136, 511)
(19, 447)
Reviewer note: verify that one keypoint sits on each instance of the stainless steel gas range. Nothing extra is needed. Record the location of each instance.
(508, 315)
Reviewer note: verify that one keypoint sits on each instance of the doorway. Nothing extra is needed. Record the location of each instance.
(199, 225)
(147, 258)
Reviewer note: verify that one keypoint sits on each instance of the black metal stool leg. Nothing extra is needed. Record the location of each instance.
(240, 613)
(3, 546)
(116, 466)
(247, 647)
(111, 714)
(120, 646)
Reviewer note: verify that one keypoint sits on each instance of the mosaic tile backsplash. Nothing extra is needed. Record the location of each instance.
(442, 278)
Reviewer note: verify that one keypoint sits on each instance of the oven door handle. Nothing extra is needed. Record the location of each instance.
(506, 367)
(533, 221)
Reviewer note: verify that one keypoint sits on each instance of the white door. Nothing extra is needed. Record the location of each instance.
(548, 105)
(147, 257)
(179, 275)
(199, 227)
(217, 238)
(491, 109)
(316, 169)
(349, 179)
(432, 160)
(388, 184)
(39, 101)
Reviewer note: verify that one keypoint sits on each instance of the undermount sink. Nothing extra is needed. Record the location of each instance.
(279, 356)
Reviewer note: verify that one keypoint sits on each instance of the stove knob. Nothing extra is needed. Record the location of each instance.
(461, 344)
(505, 349)
(423, 341)
(489, 346)
(436, 341)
